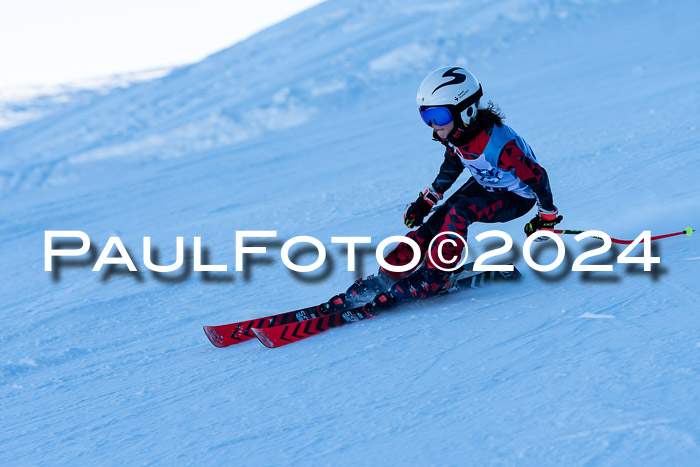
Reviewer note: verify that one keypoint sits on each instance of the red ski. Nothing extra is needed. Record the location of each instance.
(235, 333)
(225, 335)
(277, 336)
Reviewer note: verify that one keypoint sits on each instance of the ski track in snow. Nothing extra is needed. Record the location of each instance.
(574, 370)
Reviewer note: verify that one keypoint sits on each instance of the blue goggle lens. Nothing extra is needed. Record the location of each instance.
(440, 116)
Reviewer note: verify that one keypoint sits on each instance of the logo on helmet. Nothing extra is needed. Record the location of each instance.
(456, 78)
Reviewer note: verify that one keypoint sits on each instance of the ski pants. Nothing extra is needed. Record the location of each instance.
(471, 203)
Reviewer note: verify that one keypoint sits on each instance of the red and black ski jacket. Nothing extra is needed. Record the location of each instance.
(499, 160)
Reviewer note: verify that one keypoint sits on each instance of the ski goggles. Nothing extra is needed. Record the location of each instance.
(440, 116)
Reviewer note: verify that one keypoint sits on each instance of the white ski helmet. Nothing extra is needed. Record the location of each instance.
(452, 87)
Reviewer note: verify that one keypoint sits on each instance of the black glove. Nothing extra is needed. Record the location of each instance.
(542, 221)
(416, 212)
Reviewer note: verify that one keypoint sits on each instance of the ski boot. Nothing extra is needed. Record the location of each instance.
(364, 290)
(425, 282)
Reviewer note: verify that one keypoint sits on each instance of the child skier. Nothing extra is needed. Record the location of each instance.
(506, 182)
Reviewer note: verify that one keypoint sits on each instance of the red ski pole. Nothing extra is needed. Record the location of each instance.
(688, 231)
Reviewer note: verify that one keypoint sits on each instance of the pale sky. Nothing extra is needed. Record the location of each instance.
(58, 41)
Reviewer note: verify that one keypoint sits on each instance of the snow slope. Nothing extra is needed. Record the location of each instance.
(23, 104)
(310, 128)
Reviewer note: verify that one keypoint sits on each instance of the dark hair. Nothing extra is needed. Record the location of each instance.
(486, 117)
(489, 115)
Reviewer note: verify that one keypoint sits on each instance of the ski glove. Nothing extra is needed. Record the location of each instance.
(543, 220)
(416, 211)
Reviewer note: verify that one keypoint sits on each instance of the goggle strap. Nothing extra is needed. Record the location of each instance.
(470, 100)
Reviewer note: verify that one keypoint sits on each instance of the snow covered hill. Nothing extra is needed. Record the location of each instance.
(310, 128)
(23, 104)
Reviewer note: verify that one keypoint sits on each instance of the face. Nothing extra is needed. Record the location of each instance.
(443, 131)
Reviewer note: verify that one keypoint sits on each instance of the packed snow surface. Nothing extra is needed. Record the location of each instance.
(310, 128)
